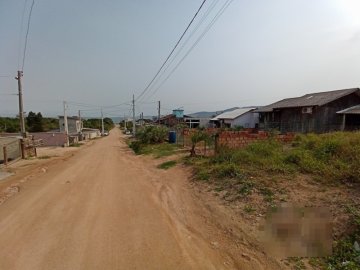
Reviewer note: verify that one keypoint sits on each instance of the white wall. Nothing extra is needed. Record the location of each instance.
(247, 120)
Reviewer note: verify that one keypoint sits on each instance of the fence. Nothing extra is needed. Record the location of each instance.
(204, 148)
(10, 149)
(231, 139)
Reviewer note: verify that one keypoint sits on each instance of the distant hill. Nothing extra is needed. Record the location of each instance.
(117, 120)
(204, 114)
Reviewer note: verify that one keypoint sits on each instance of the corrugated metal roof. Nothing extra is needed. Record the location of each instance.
(351, 110)
(309, 100)
(232, 114)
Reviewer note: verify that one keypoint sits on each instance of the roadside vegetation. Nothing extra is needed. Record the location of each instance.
(333, 158)
(314, 170)
(151, 140)
(167, 164)
(96, 123)
(266, 173)
(35, 122)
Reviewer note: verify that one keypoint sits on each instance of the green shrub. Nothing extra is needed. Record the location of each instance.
(136, 146)
(152, 134)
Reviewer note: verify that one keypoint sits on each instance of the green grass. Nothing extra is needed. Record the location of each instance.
(76, 145)
(45, 157)
(335, 157)
(329, 159)
(167, 165)
(157, 150)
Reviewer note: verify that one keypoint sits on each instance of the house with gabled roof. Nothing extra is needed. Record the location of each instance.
(240, 117)
(315, 112)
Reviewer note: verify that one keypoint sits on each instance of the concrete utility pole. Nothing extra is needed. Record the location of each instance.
(159, 112)
(21, 105)
(66, 127)
(81, 127)
(134, 122)
(102, 122)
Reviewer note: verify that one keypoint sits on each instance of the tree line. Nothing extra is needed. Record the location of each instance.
(35, 122)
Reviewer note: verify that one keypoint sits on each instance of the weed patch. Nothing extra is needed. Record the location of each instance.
(167, 165)
(157, 150)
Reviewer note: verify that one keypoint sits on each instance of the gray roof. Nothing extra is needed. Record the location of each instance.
(232, 114)
(309, 100)
(351, 110)
(204, 114)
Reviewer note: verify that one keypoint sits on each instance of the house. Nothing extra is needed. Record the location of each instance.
(196, 122)
(74, 124)
(241, 117)
(315, 112)
(90, 133)
(350, 118)
(173, 119)
(170, 120)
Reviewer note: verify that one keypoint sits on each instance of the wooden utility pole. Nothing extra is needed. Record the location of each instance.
(5, 155)
(159, 112)
(21, 105)
(66, 127)
(134, 122)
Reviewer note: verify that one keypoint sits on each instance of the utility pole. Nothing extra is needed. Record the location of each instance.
(141, 118)
(134, 122)
(21, 105)
(102, 122)
(81, 127)
(66, 127)
(159, 112)
(124, 122)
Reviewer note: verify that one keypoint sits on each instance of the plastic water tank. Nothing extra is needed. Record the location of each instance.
(172, 137)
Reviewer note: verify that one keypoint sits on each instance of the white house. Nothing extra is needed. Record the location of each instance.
(242, 117)
(90, 133)
(74, 124)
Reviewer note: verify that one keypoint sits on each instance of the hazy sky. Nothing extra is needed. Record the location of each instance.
(101, 52)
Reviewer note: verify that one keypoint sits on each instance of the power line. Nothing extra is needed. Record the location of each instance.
(216, 17)
(27, 33)
(172, 51)
(205, 15)
(21, 31)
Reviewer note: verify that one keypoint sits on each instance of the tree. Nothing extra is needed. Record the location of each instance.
(198, 136)
(35, 122)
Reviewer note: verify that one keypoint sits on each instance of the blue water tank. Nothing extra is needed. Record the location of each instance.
(172, 137)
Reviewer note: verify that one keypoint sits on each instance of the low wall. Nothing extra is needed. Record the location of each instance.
(237, 139)
(13, 148)
(50, 138)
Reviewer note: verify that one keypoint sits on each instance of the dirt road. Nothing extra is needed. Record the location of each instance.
(105, 208)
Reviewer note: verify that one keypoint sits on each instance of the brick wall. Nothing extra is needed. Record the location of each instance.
(239, 139)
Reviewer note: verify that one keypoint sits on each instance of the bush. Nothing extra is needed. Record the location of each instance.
(152, 134)
(136, 146)
(198, 136)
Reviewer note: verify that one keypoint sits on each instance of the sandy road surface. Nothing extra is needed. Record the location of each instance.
(105, 208)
